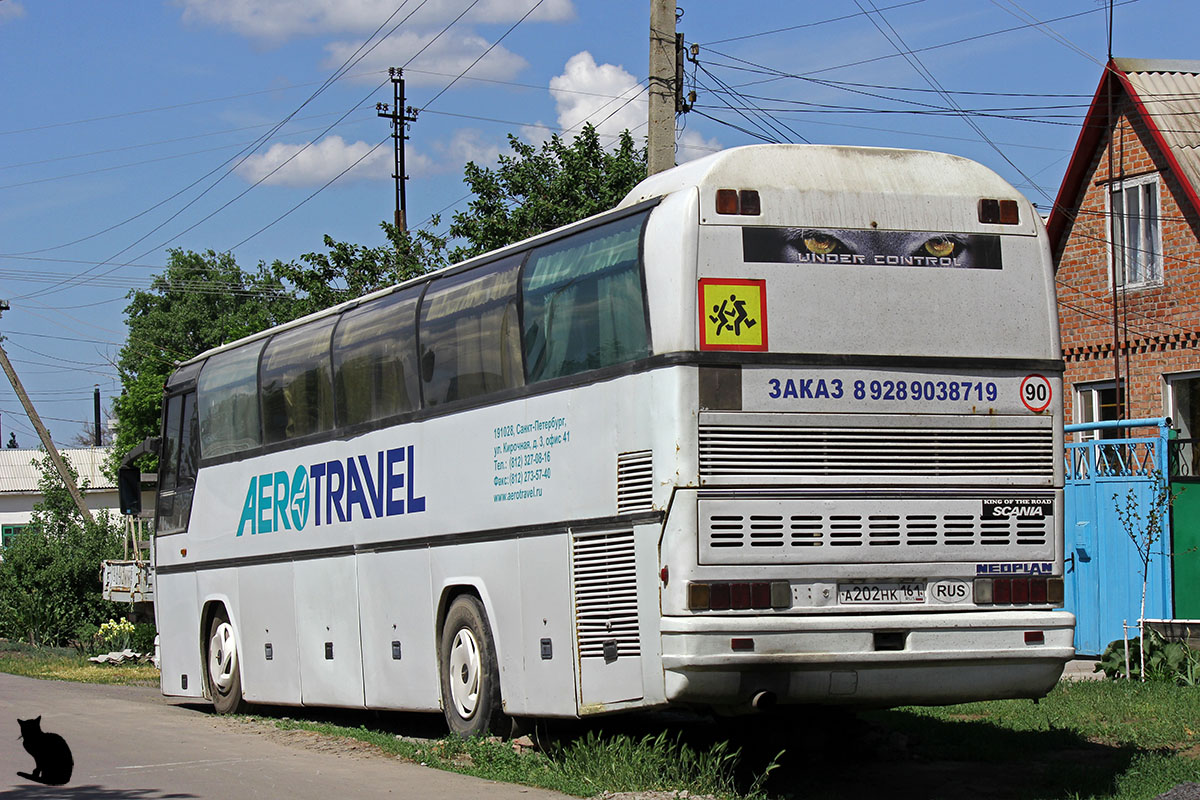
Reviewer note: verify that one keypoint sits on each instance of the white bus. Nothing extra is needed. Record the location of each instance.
(784, 427)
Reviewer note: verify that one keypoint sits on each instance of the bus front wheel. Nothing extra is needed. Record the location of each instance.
(224, 669)
(470, 673)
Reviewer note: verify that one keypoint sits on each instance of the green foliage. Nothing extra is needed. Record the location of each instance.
(534, 190)
(1165, 661)
(142, 638)
(348, 270)
(200, 301)
(50, 576)
(116, 634)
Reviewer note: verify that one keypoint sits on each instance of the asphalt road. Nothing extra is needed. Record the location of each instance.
(129, 743)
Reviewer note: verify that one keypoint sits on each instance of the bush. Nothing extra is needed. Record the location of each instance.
(142, 640)
(1166, 661)
(50, 576)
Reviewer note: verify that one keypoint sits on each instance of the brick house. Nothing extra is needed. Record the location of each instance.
(1125, 231)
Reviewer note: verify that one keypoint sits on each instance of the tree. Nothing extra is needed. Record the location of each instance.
(1145, 532)
(200, 301)
(349, 270)
(12, 441)
(534, 190)
(50, 576)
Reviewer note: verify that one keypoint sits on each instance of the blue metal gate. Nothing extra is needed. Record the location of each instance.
(1104, 571)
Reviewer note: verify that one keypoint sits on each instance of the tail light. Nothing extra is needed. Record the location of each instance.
(1019, 591)
(739, 596)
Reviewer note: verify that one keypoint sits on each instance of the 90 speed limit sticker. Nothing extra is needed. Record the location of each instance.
(1036, 393)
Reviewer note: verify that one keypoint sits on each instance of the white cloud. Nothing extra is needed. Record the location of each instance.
(276, 21)
(692, 145)
(449, 55)
(469, 144)
(316, 164)
(10, 9)
(603, 94)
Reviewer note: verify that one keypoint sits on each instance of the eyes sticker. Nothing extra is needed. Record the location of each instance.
(871, 247)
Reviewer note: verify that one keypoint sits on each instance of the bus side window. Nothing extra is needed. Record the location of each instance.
(297, 383)
(374, 359)
(228, 402)
(470, 337)
(583, 302)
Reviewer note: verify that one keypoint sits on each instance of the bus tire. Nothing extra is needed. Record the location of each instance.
(470, 673)
(224, 666)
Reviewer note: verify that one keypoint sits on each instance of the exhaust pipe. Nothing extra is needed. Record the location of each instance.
(763, 701)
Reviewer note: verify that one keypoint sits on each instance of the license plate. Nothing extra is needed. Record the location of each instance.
(880, 593)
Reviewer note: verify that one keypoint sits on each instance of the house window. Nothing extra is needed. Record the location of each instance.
(1096, 402)
(1183, 407)
(1136, 250)
(8, 533)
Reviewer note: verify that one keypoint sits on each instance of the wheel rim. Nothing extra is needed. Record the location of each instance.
(465, 672)
(222, 658)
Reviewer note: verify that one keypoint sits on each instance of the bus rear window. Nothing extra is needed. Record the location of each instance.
(228, 398)
(583, 303)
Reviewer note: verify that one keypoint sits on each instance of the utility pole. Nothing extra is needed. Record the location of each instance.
(660, 139)
(43, 434)
(400, 115)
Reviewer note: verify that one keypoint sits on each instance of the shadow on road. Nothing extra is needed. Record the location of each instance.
(821, 753)
(89, 793)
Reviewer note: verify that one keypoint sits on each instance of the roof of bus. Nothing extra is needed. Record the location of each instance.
(853, 170)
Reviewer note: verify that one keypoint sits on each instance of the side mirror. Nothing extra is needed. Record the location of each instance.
(129, 490)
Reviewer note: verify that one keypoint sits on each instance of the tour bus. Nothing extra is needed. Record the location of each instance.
(782, 428)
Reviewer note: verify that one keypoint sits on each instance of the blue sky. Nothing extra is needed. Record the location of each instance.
(119, 119)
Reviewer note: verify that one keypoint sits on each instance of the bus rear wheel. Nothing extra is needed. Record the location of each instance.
(470, 673)
(224, 669)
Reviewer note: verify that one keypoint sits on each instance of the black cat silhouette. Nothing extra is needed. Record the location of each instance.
(51, 756)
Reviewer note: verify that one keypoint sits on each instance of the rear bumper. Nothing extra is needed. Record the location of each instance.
(946, 658)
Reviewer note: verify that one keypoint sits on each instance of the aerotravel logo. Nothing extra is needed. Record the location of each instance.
(332, 492)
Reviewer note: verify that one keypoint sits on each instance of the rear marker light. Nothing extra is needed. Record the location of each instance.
(727, 201)
(749, 202)
(999, 212)
(733, 201)
(1035, 637)
(741, 645)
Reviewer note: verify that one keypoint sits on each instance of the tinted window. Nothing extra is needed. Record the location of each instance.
(375, 359)
(583, 303)
(470, 338)
(297, 383)
(228, 398)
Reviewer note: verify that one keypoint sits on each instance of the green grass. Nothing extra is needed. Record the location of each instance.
(582, 766)
(66, 664)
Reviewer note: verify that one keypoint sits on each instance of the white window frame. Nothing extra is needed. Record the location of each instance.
(1154, 271)
(1092, 391)
(1170, 379)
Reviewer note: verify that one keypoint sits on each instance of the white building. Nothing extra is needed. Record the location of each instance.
(19, 476)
